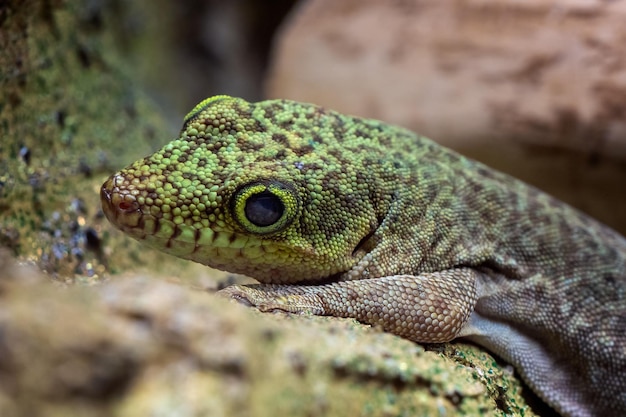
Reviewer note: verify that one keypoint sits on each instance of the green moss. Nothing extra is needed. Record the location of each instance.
(70, 114)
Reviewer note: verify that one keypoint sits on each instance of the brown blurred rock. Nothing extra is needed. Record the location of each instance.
(534, 88)
(137, 346)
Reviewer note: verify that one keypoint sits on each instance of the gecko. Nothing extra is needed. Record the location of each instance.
(350, 217)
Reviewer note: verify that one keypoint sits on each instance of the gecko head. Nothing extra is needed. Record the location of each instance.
(276, 190)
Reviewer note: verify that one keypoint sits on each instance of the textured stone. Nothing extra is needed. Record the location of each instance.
(138, 346)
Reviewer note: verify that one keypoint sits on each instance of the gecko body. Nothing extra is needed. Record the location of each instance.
(342, 216)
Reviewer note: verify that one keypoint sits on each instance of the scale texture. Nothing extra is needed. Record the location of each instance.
(342, 216)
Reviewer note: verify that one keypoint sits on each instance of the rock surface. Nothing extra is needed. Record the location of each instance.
(138, 346)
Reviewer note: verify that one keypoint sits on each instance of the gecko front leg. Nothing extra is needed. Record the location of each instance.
(429, 308)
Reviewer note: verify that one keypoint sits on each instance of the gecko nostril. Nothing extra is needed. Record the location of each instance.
(114, 201)
(128, 206)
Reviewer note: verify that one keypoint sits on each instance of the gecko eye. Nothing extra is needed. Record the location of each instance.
(264, 207)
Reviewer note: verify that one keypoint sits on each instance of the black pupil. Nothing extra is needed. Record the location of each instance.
(264, 209)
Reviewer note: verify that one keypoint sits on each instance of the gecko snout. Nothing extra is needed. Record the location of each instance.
(119, 206)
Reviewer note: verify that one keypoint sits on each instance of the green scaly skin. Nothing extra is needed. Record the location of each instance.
(349, 217)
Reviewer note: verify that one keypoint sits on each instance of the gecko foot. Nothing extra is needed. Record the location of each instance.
(269, 298)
